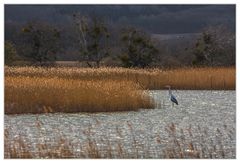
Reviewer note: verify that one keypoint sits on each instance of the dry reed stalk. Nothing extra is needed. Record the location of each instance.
(44, 95)
(184, 78)
(174, 148)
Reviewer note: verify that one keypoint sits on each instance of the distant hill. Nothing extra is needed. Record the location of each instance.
(162, 19)
(181, 36)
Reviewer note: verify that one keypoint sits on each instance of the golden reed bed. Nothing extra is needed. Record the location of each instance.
(44, 95)
(44, 90)
(185, 78)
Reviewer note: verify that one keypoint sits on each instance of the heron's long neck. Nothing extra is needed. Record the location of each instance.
(169, 91)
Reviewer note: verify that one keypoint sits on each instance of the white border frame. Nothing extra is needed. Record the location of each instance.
(111, 2)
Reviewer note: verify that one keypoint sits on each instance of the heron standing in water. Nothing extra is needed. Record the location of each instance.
(172, 97)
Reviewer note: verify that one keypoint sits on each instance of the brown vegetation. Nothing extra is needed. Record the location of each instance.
(43, 95)
(43, 90)
(181, 143)
(184, 78)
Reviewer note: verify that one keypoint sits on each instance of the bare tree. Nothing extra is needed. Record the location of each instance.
(92, 38)
(39, 42)
(215, 47)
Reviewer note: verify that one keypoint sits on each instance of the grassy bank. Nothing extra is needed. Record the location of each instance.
(184, 78)
(43, 95)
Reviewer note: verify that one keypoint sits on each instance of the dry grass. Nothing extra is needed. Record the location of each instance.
(184, 78)
(43, 90)
(21, 150)
(200, 78)
(43, 95)
(180, 143)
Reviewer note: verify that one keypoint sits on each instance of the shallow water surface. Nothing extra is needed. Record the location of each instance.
(202, 126)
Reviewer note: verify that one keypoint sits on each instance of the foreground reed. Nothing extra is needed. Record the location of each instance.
(180, 143)
(185, 78)
(46, 95)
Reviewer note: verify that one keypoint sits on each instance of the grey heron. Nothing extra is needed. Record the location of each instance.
(172, 97)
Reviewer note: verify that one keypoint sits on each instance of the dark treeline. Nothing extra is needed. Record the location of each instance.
(129, 36)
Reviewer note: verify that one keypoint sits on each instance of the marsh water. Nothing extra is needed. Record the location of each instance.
(203, 122)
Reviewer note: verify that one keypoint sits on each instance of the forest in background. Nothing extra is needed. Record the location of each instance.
(120, 35)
